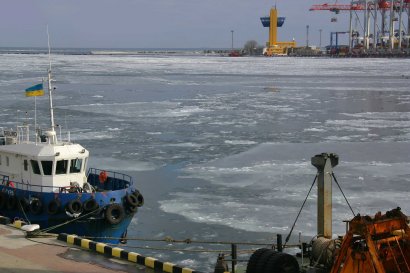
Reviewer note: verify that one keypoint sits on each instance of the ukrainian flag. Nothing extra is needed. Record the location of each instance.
(36, 90)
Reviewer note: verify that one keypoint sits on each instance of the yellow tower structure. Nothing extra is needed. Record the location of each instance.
(273, 47)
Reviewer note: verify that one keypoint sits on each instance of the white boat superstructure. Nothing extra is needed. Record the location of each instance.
(45, 165)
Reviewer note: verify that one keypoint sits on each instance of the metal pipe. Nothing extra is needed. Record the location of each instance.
(391, 30)
(307, 35)
(366, 25)
(324, 163)
(351, 31)
(232, 39)
(408, 25)
(400, 26)
(375, 36)
(279, 242)
(234, 256)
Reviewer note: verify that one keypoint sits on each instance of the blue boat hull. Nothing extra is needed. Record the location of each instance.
(96, 224)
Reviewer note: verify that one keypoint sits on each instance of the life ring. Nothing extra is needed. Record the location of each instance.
(3, 199)
(74, 206)
(36, 206)
(11, 202)
(114, 214)
(90, 205)
(53, 207)
(103, 176)
(10, 184)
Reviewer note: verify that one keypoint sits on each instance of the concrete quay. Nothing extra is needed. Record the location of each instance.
(19, 254)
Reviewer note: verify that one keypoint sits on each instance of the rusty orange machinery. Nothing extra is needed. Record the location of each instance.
(379, 244)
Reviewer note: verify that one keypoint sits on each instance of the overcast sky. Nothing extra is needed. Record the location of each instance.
(158, 23)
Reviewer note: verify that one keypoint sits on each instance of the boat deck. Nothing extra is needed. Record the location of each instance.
(35, 255)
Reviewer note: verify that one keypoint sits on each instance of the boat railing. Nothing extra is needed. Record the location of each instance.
(113, 180)
(5, 181)
(22, 134)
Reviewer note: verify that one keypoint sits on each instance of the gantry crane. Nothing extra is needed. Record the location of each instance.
(395, 8)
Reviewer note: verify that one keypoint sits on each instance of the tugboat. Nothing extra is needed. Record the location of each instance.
(45, 181)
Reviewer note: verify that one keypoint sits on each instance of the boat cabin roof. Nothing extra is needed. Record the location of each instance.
(61, 150)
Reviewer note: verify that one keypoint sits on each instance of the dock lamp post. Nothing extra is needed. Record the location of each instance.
(232, 39)
(320, 38)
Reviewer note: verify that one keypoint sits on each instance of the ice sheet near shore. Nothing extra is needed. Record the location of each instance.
(223, 145)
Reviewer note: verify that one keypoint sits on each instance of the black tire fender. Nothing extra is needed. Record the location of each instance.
(114, 214)
(139, 197)
(263, 260)
(133, 209)
(90, 205)
(53, 207)
(74, 206)
(282, 263)
(36, 206)
(11, 202)
(131, 199)
(253, 260)
(24, 204)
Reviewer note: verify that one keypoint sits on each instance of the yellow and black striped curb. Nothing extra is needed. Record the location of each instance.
(19, 224)
(123, 254)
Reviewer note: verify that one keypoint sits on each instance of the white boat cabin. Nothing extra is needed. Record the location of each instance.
(42, 166)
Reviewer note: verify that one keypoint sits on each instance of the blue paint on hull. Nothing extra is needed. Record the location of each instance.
(94, 225)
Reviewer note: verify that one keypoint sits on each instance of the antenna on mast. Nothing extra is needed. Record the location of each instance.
(50, 89)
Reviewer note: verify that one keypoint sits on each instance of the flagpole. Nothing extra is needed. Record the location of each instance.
(50, 89)
(35, 116)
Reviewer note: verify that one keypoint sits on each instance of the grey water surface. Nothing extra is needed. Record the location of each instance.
(220, 147)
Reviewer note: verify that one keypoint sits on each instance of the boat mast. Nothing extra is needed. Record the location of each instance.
(50, 89)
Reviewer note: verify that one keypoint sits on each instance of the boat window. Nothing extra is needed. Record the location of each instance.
(47, 167)
(0, 159)
(61, 167)
(75, 166)
(25, 165)
(7, 161)
(35, 167)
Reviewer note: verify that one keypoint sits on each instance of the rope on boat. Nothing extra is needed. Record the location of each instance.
(337, 183)
(169, 239)
(301, 208)
(66, 223)
(304, 202)
(22, 209)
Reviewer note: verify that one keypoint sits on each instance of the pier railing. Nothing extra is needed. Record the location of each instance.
(234, 252)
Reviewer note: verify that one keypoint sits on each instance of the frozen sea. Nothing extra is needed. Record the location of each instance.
(220, 147)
